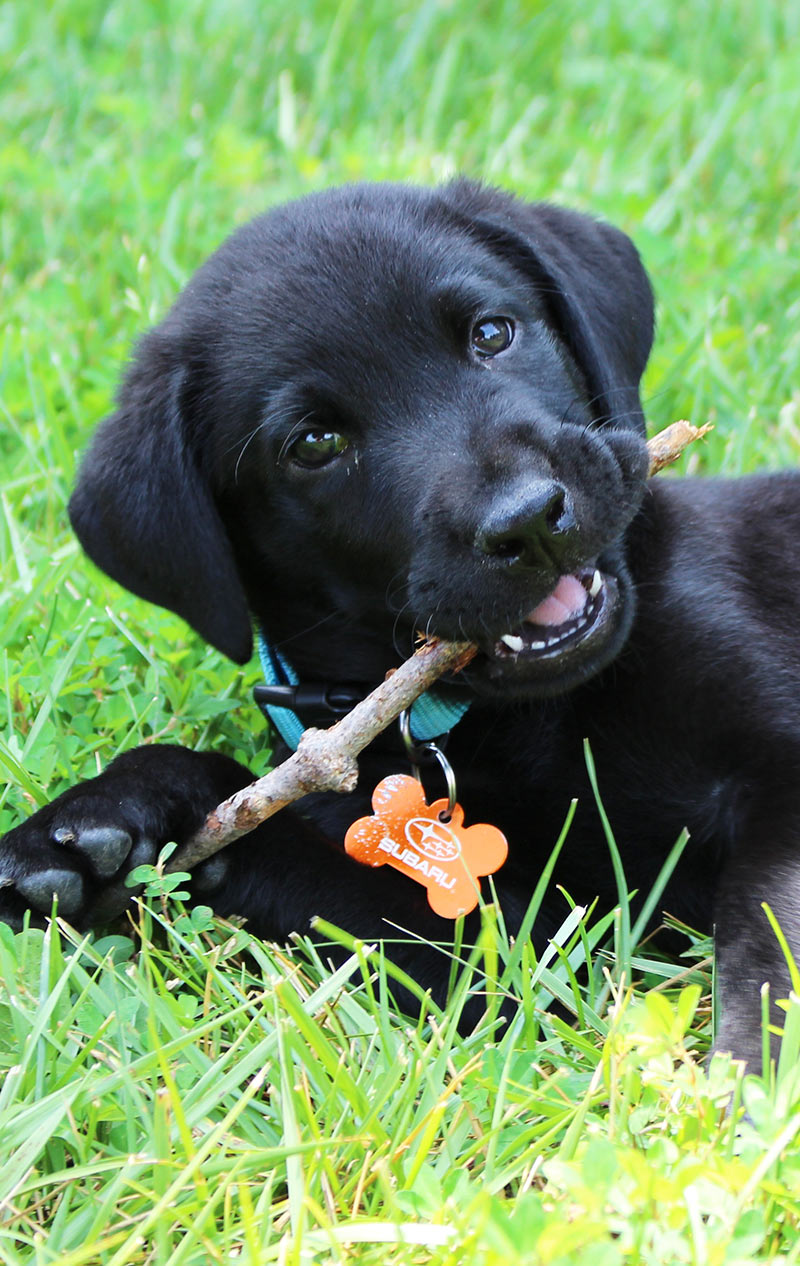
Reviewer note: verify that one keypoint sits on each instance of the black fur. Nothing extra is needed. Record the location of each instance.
(470, 485)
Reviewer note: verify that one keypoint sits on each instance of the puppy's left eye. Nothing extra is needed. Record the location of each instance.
(313, 449)
(491, 335)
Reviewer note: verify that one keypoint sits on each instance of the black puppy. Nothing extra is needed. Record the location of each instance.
(385, 409)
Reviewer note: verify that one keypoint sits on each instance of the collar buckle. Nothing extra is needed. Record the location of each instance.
(315, 703)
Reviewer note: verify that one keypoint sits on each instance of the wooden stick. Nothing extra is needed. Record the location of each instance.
(325, 760)
(666, 447)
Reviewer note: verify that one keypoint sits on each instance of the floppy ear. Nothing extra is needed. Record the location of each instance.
(143, 510)
(598, 293)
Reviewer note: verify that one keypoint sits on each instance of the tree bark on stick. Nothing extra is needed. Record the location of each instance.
(666, 447)
(325, 760)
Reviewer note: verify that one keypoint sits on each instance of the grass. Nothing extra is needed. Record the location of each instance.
(186, 1094)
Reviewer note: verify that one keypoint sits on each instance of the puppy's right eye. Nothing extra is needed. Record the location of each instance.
(313, 449)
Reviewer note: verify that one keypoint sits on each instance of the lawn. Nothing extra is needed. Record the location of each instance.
(178, 1092)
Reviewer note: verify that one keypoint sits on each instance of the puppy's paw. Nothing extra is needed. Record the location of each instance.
(78, 853)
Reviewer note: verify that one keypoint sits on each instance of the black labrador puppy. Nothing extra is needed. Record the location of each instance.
(385, 409)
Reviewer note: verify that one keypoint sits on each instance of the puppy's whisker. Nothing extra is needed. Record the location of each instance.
(273, 418)
(292, 637)
(298, 426)
(244, 448)
(245, 441)
(396, 585)
(396, 628)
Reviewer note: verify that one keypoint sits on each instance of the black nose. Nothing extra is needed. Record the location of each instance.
(528, 526)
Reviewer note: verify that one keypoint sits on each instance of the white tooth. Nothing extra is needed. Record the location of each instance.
(537, 646)
(596, 585)
(512, 642)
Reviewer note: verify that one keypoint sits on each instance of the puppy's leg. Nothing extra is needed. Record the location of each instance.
(83, 844)
(748, 952)
(279, 877)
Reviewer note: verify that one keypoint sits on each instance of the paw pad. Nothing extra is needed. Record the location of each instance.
(105, 847)
(40, 888)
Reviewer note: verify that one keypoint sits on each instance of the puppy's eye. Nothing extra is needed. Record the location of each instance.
(492, 334)
(316, 448)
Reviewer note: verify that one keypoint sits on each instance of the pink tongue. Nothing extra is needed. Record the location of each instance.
(565, 603)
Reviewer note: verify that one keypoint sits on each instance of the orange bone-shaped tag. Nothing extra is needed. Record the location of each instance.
(409, 834)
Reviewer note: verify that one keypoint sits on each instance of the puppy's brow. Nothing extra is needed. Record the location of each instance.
(464, 300)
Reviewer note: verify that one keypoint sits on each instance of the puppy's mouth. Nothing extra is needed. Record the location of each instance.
(564, 617)
(566, 638)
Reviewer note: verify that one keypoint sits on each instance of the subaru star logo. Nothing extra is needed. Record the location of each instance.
(432, 839)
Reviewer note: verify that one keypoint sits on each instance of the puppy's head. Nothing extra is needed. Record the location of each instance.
(383, 409)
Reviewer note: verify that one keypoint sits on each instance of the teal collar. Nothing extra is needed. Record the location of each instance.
(432, 715)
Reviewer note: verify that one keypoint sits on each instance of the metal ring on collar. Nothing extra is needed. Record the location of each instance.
(415, 753)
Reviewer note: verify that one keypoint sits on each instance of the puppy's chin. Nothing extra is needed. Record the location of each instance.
(566, 640)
